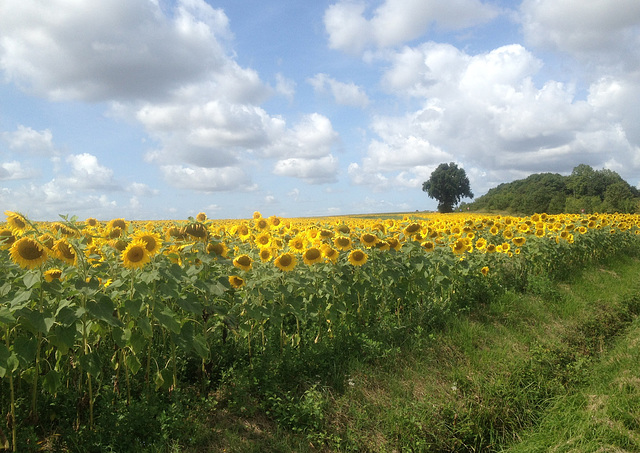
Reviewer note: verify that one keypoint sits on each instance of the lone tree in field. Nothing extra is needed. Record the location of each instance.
(447, 184)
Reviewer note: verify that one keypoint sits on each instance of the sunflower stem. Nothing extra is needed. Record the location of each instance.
(12, 419)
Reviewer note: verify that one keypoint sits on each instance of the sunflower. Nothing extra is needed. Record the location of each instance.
(368, 239)
(243, 262)
(114, 233)
(27, 253)
(382, 245)
(118, 244)
(6, 238)
(286, 262)
(330, 253)
(459, 247)
(64, 230)
(394, 243)
(219, 248)
(47, 240)
(344, 229)
(197, 231)
(265, 254)
(312, 255)
(16, 222)
(257, 215)
(261, 224)
(411, 229)
(117, 223)
(263, 240)
(65, 251)
(296, 243)
(52, 274)
(429, 246)
(485, 270)
(91, 222)
(481, 244)
(275, 222)
(153, 241)
(201, 217)
(519, 241)
(243, 232)
(135, 255)
(357, 257)
(236, 282)
(342, 243)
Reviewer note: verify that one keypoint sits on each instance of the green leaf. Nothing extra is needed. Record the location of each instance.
(145, 326)
(167, 319)
(51, 382)
(103, 309)
(200, 346)
(90, 363)
(21, 297)
(133, 363)
(121, 336)
(25, 348)
(6, 317)
(159, 380)
(63, 337)
(68, 315)
(33, 320)
(191, 303)
(4, 357)
(31, 278)
(133, 307)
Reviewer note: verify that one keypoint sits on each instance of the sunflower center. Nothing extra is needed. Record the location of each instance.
(135, 254)
(30, 250)
(358, 255)
(312, 254)
(244, 260)
(412, 228)
(285, 260)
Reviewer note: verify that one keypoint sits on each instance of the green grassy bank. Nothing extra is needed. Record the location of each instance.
(553, 368)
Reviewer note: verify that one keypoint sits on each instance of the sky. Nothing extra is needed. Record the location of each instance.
(159, 109)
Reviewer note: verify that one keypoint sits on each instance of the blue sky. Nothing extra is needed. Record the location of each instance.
(157, 109)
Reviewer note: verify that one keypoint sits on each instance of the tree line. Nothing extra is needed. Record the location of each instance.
(585, 190)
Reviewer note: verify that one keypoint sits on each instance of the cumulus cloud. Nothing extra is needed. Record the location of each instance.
(112, 49)
(13, 170)
(397, 21)
(313, 171)
(27, 140)
(486, 110)
(348, 94)
(87, 173)
(207, 179)
(600, 31)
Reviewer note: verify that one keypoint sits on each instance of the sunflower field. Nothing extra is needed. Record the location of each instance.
(97, 313)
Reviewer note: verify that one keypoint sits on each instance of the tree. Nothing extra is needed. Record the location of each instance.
(447, 184)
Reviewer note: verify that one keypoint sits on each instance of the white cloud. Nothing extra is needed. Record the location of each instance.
(116, 49)
(312, 171)
(207, 179)
(13, 171)
(397, 21)
(286, 87)
(87, 173)
(26, 139)
(601, 29)
(141, 190)
(344, 93)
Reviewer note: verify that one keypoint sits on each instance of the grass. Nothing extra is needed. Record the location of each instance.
(538, 366)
